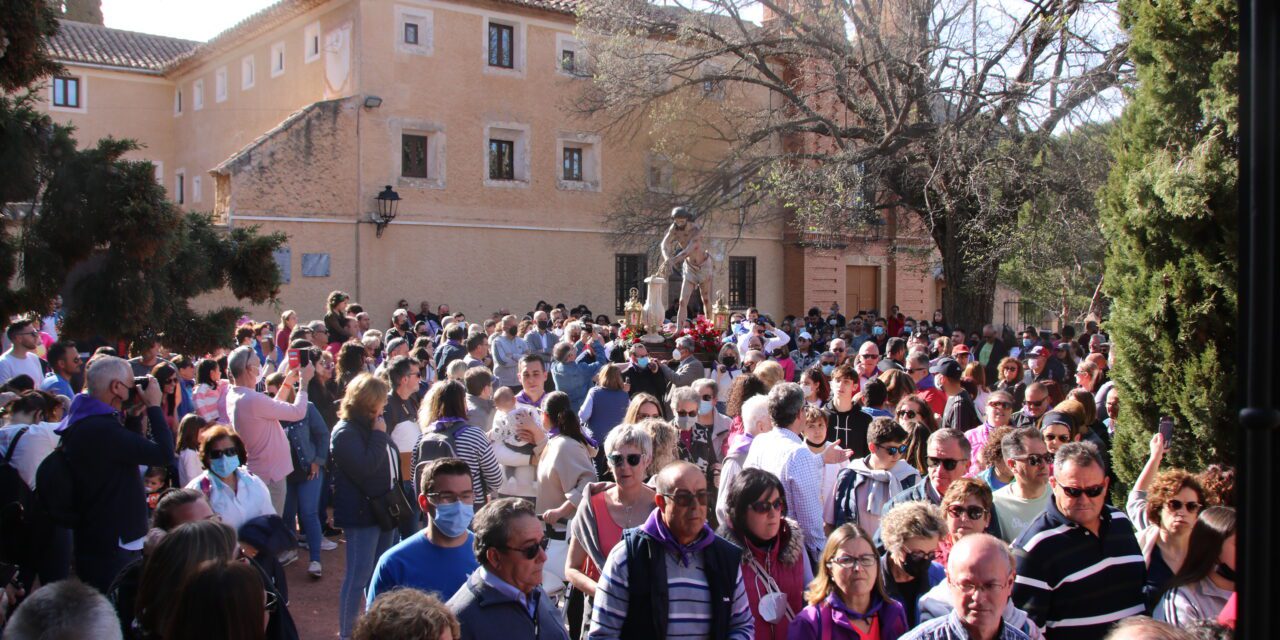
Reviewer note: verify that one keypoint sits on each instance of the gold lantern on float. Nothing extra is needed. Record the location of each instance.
(720, 314)
(634, 311)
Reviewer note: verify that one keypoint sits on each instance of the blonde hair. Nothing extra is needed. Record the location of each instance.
(365, 393)
(665, 436)
(610, 377)
(916, 519)
(639, 400)
(770, 373)
(823, 583)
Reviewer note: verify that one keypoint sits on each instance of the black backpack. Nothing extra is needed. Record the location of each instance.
(435, 445)
(15, 500)
(56, 489)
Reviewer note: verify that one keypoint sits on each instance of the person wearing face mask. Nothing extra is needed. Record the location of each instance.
(688, 368)
(727, 369)
(827, 363)
(911, 533)
(805, 356)
(642, 374)
(439, 558)
(235, 494)
(835, 318)
(817, 389)
(102, 441)
(1201, 588)
(540, 338)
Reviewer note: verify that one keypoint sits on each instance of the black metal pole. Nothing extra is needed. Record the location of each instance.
(1259, 419)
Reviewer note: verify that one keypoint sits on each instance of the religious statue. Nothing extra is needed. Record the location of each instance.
(682, 247)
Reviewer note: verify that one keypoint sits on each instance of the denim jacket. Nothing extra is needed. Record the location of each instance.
(309, 436)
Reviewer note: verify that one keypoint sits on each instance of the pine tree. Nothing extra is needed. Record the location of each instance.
(1169, 210)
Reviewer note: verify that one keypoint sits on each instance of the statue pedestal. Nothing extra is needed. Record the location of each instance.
(654, 311)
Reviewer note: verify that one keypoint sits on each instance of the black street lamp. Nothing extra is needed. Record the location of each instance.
(388, 202)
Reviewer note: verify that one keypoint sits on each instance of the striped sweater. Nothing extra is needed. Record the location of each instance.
(689, 608)
(1075, 584)
(472, 447)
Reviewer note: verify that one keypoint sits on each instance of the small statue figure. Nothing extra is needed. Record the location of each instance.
(682, 247)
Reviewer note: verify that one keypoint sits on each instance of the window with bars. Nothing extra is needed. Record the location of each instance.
(573, 164)
(410, 33)
(501, 45)
(66, 92)
(502, 159)
(413, 156)
(629, 272)
(742, 282)
(567, 60)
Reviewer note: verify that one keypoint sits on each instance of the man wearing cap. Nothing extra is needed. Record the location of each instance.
(959, 413)
(1040, 367)
(961, 353)
(805, 356)
(918, 369)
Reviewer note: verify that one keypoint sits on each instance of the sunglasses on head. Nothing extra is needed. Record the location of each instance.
(899, 450)
(960, 511)
(765, 506)
(616, 459)
(221, 453)
(1177, 505)
(946, 463)
(530, 552)
(685, 499)
(1075, 492)
(1036, 459)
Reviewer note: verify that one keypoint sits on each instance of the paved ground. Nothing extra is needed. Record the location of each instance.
(314, 603)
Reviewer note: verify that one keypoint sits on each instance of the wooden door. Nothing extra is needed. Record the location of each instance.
(861, 289)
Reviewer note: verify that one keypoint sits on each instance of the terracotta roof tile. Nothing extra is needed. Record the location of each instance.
(96, 44)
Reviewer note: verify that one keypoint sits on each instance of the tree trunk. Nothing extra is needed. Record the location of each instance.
(970, 277)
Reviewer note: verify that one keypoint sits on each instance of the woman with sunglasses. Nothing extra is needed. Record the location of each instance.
(915, 416)
(1201, 588)
(170, 391)
(1163, 507)
(775, 568)
(1009, 379)
(911, 532)
(847, 600)
(609, 508)
(235, 494)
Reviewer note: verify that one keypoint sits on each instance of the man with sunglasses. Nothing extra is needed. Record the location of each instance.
(918, 368)
(1019, 503)
(21, 358)
(866, 362)
(503, 598)
(64, 361)
(869, 482)
(673, 577)
(1035, 402)
(948, 460)
(1080, 569)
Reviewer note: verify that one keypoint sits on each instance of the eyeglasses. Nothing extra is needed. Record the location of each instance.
(840, 350)
(1035, 459)
(920, 556)
(1007, 369)
(222, 453)
(899, 450)
(909, 414)
(26, 333)
(999, 404)
(969, 588)
(451, 498)
(864, 561)
(915, 369)
(765, 506)
(1075, 492)
(960, 511)
(1064, 438)
(616, 459)
(1035, 403)
(1177, 505)
(530, 552)
(687, 414)
(685, 499)
(946, 463)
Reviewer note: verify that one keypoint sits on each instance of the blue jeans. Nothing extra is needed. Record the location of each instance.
(364, 546)
(302, 502)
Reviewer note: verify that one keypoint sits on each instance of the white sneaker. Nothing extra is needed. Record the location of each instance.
(327, 544)
(287, 557)
(314, 569)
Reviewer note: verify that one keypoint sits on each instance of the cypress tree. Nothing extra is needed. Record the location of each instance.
(1169, 211)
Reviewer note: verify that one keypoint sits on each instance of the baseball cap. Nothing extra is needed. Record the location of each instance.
(804, 335)
(960, 348)
(1036, 351)
(948, 367)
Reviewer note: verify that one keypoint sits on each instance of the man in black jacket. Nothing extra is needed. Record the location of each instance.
(104, 436)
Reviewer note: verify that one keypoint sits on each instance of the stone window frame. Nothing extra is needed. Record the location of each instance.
(566, 42)
(519, 133)
(437, 139)
(592, 171)
(197, 94)
(248, 72)
(667, 180)
(519, 48)
(278, 64)
(311, 43)
(177, 102)
(197, 191)
(180, 186)
(220, 84)
(425, 21)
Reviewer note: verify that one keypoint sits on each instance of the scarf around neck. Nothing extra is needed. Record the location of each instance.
(445, 423)
(885, 484)
(655, 528)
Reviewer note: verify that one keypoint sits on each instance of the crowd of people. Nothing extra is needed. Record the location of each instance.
(545, 476)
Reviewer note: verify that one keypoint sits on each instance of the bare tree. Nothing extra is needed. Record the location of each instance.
(832, 113)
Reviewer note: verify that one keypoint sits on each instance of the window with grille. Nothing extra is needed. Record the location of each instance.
(742, 282)
(629, 272)
(502, 161)
(501, 46)
(66, 92)
(410, 33)
(413, 156)
(573, 164)
(567, 60)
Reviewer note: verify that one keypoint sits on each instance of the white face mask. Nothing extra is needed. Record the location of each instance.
(675, 353)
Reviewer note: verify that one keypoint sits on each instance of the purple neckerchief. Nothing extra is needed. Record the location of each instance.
(926, 383)
(523, 398)
(655, 528)
(873, 609)
(740, 443)
(85, 406)
(445, 423)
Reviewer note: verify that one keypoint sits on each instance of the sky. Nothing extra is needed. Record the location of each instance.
(189, 19)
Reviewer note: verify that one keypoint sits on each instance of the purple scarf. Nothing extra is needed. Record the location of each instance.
(740, 443)
(655, 528)
(85, 406)
(445, 423)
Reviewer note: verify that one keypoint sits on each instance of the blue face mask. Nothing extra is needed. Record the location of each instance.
(643, 361)
(827, 369)
(225, 466)
(879, 331)
(1026, 343)
(705, 407)
(453, 519)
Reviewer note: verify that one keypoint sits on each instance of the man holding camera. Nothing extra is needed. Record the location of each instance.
(257, 416)
(104, 441)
